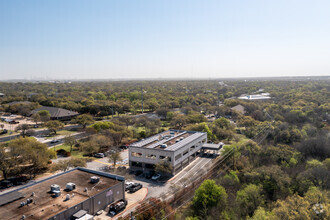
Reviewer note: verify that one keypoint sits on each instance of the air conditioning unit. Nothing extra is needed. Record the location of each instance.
(95, 179)
(56, 194)
(70, 186)
(54, 188)
(163, 146)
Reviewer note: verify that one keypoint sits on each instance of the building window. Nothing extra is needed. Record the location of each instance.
(136, 164)
(192, 148)
(150, 166)
(136, 154)
(165, 158)
(185, 152)
(151, 156)
(204, 141)
(177, 157)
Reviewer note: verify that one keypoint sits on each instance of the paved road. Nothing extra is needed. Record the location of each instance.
(38, 133)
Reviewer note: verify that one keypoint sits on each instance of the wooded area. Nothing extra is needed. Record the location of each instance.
(282, 173)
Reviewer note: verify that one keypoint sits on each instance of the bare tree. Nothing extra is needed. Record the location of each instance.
(114, 157)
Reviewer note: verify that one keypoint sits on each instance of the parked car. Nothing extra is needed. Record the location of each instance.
(135, 187)
(150, 174)
(138, 172)
(123, 147)
(128, 185)
(156, 176)
(6, 184)
(4, 131)
(99, 155)
(121, 168)
(117, 207)
(54, 141)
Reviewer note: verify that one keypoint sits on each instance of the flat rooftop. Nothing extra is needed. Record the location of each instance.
(173, 139)
(44, 205)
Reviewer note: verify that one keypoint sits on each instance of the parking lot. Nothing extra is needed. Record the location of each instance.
(20, 119)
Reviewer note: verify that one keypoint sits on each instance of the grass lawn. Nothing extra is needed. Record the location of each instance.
(65, 132)
(75, 153)
(62, 132)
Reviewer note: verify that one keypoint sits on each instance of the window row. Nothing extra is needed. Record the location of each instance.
(151, 156)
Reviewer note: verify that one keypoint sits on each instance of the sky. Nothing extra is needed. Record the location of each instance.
(129, 39)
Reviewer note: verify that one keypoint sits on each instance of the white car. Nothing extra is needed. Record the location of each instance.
(156, 176)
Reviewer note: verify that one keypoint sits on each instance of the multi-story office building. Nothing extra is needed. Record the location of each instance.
(177, 147)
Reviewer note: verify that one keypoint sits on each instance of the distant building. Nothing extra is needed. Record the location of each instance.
(177, 147)
(2, 95)
(76, 193)
(56, 113)
(262, 96)
(239, 108)
(19, 102)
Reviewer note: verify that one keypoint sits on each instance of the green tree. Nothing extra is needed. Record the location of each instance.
(23, 128)
(164, 167)
(84, 120)
(178, 121)
(222, 123)
(44, 115)
(36, 118)
(70, 141)
(30, 151)
(64, 165)
(314, 163)
(54, 125)
(114, 158)
(249, 198)
(208, 195)
(89, 148)
(6, 162)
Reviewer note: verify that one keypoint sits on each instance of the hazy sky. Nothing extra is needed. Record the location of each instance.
(79, 39)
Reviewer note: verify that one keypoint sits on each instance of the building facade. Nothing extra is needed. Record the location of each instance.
(176, 147)
(39, 201)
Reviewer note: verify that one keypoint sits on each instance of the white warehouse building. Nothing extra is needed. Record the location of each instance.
(178, 147)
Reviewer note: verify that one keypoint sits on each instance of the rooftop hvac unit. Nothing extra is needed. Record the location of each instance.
(181, 138)
(70, 186)
(177, 140)
(54, 188)
(163, 146)
(28, 201)
(95, 179)
(56, 194)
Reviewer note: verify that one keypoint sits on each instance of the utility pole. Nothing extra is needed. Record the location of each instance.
(142, 98)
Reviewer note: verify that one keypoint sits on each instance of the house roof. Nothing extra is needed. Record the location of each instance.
(19, 102)
(55, 112)
(239, 108)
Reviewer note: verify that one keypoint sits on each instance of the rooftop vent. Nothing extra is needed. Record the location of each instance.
(54, 188)
(28, 201)
(181, 138)
(95, 179)
(70, 186)
(163, 146)
(67, 197)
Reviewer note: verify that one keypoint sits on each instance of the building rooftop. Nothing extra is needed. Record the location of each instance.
(55, 112)
(44, 205)
(261, 96)
(170, 140)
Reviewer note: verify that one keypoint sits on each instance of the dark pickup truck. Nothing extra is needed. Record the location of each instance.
(117, 207)
(135, 187)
